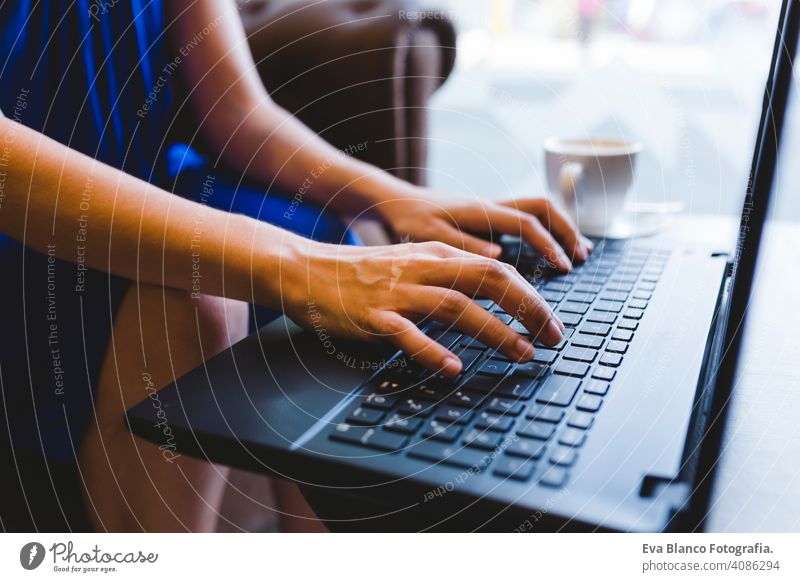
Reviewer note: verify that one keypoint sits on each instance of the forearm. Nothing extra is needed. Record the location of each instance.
(252, 133)
(61, 202)
(296, 161)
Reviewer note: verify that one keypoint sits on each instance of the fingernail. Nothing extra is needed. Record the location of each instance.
(451, 366)
(565, 262)
(553, 330)
(524, 350)
(493, 250)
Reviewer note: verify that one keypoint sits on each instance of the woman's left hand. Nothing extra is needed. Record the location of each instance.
(426, 216)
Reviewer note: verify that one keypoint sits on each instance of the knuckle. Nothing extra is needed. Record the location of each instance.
(453, 303)
(495, 270)
(392, 326)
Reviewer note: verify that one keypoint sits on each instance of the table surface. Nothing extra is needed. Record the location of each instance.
(758, 477)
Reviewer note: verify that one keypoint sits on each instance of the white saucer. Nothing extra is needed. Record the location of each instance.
(632, 224)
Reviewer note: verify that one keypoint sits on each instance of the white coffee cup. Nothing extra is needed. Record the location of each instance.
(592, 177)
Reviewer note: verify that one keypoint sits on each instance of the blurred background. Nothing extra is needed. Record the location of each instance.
(685, 77)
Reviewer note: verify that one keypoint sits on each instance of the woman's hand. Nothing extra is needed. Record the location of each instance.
(423, 215)
(377, 293)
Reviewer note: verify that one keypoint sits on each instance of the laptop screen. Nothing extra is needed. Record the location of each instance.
(754, 214)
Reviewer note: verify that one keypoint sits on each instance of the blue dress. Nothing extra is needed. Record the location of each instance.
(95, 76)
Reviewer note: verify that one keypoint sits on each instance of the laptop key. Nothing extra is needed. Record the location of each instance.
(414, 406)
(628, 324)
(494, 368)
(614, 296)
(449, 455)
(642, 294)
(384, 441)
(579, 354)
(573, 307)
(575, 369)
(504, 318)
(505, 406)
(517, 469)
(537, 430)
(589, 403)
(495, 422)
(367, 416)
(563, 456)
(347, 433)
(559, 286)
(554, 477)
(448, 338)
(482, 439)
(583, 340)
(570, 319)
(572, 437)
(633, 314)
(453, 414)
(471, 342)
(469, 357)
(601, 317)
(527, 448)
(582, 420)
(588, 287)
(604, 373)
(637, 303)
(610, 306)
(380, 401)
(388, 386)
(598, 387)
(520, 387)
(581, 297)
(440, 431)
(466, 399)
(545, 413)
(558, 390)
(620, 286)
(552, 297)
(530, 369)
(617, 347)
(622, 335)
(544, 356)
(613, 360)
(402, 424)
(519, 327)
(591, 328)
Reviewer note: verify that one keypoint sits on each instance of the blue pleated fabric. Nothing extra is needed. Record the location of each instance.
(96, 76)
(81, 72)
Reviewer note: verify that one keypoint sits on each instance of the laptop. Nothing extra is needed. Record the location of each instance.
(616, 428)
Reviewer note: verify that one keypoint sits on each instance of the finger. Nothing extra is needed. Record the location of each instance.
(556, 221)
(500, 219)
(492, 279)
(408, 337)
(458, 310)
(462, 240)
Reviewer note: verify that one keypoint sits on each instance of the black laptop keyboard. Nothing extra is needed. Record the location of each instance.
(519, 421)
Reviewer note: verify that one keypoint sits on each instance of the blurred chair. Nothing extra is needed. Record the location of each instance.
(355, 71)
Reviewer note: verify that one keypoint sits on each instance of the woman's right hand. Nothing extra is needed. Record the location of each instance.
(377, 293)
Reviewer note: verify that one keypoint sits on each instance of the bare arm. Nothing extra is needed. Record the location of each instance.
(58, 200)
(138, 231)
(252, 133)
(256, 136)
